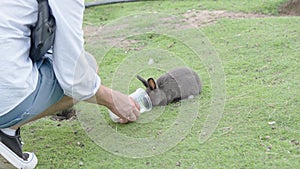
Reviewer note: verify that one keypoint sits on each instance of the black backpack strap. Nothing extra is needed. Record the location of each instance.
(43, 33)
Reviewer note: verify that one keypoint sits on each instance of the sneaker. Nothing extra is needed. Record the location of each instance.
(11, 150)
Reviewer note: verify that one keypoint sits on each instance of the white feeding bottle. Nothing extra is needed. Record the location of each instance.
(142, 98)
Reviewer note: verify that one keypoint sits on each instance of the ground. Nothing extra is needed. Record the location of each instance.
(259, 125)
(196, 18)
(290, 8)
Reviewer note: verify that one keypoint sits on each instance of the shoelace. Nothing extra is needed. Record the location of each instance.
(18, 136)
(20, 139)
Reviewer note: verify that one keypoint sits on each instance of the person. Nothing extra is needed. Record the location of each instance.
(67, 74)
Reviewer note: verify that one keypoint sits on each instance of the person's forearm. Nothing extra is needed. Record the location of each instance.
(102, 97)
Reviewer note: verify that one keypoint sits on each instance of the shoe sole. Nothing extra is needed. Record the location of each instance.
(4, 164)
(10, 159)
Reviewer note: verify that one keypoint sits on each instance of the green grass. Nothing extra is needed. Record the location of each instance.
(262, 67)
(104, 14)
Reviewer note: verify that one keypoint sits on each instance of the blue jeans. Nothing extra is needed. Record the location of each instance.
(47, 92)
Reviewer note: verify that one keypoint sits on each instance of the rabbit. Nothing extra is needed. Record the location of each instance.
(175, 85)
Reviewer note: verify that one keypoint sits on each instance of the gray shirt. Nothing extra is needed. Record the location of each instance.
(18, 75)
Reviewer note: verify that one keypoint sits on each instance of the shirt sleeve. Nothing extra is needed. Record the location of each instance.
(75, 74)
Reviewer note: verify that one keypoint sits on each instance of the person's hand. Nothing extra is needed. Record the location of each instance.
(124, 107)
(120, 104)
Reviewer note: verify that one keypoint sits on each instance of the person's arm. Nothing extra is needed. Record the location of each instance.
(120, 104)
(75, 74)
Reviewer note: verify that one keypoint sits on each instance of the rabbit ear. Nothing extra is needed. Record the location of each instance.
(151, 83)
(143, 81)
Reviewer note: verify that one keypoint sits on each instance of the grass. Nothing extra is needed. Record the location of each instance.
(104, 14)
(260, 123)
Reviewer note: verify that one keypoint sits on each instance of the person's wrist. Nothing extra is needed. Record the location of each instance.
(104, 96)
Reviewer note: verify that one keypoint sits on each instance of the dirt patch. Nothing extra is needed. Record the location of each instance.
(191, 19)
(195, 18)
(67, 114)
(201, 18)
(290, 8)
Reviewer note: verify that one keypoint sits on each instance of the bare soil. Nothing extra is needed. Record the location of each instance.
(290, 8)
(67, 114)
(201, 18)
